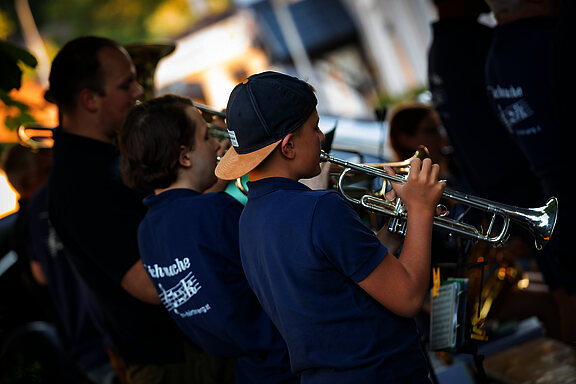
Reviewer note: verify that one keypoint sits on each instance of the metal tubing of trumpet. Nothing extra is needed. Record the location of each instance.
(540, 222)
(362, 168)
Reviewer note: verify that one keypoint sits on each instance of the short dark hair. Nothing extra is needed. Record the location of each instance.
(405, 119)
(77, 67)
(150, 141)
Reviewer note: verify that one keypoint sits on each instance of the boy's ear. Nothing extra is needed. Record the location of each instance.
(287, 146)
(88, 100)
(184, 157)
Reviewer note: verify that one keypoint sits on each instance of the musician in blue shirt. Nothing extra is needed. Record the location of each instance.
(188, 240)
(341, 300)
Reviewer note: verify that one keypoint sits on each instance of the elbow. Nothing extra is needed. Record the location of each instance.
(137, 283)
(145, 294)
(410, 307)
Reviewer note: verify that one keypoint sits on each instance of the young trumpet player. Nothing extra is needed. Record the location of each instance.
(188, 240)
(340, 299)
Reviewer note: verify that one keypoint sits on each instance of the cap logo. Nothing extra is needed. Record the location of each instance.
(233, 138)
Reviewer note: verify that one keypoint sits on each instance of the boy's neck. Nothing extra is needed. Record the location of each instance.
(275, 165)
(179, 184)
(256, 174)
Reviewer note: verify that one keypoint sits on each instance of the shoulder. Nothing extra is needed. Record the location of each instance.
(216, 204)
(220, 200)
(331, 200)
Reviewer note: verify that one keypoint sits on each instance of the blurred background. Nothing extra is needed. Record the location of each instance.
(362, 56)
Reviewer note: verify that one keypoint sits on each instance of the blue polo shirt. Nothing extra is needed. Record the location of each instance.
(304, 252)
(189, 247)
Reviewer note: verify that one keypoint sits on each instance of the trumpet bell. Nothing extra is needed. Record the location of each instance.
(539, 222)
(146, 57)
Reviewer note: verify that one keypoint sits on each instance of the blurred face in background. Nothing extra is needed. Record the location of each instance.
(414, 125)
(121, 90)
(430, 133)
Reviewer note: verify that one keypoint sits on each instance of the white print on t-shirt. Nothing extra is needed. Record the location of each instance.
(511, 92)
(177, 295)
(156, 271)
(193, 312)
(513, 114)
(53, 242)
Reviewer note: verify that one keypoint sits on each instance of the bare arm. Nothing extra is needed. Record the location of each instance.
(137, 282)
(400, 284)
(38, 272)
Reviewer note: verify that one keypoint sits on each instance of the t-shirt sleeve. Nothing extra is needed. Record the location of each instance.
(342, 238)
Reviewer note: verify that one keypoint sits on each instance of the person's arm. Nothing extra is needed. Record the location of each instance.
(400, 284)
(38, 272)
(137, 282)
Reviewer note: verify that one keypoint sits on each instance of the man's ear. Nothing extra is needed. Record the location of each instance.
(184, 157)
(287, 146)
(89, 100)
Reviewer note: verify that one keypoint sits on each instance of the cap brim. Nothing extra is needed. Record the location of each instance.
(232, 165)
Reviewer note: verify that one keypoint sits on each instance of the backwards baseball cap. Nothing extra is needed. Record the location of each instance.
(261, 111)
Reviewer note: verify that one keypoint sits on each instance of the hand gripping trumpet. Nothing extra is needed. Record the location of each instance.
(539, 222)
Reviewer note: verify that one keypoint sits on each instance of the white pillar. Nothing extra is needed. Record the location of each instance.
(374, 29)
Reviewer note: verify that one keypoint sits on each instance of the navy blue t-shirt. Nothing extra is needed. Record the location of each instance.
(304, 252)
(189, 246)
(482, 146)
(519, 83)
(519, 86)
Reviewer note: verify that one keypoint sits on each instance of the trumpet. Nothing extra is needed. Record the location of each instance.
(209, 112)
(539, 222)
(35, 136)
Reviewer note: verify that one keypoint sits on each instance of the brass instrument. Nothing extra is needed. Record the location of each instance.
(539, 222)
(209, 112)
(146, 58)
(355, 177)
(497, 272)
(35, 136)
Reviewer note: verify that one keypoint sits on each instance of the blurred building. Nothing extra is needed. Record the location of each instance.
(350, 50)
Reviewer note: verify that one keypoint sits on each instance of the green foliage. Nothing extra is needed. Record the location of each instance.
(23, 370)
(12, 59)
(22, 116)
(123, 20)
(126, 21)
(386, 101)
(7, 26)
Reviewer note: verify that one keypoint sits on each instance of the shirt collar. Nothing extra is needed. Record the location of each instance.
(169, 196)
(271, 184)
